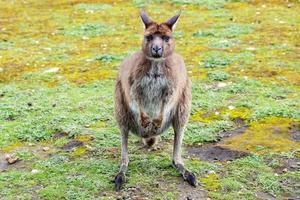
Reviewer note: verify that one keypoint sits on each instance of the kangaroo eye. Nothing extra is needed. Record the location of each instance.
(166, 38)
(149, 38)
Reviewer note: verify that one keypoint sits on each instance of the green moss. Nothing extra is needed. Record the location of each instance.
(109, 58)
(218, 75)
(216, 60)
(211, 182)
(88, 30)
(92, 7)
(206, 3)
(266, 136)
(228, 31)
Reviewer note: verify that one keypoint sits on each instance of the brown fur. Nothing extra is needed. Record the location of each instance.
(171, 81)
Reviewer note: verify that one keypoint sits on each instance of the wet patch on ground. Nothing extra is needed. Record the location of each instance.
(6, 166)
(72, 145)
(3, 164)
(212, 152)
(295, 131)
(264, 196)
(59, 134)
(285, 164)
(234, 132)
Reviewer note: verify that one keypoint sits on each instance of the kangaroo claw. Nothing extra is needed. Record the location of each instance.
(190, 178)
(119, 180)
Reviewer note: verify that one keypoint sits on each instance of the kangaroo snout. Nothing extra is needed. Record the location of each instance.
(156, 51)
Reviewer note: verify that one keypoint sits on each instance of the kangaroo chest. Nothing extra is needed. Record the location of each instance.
(150, 96)
(154, 90)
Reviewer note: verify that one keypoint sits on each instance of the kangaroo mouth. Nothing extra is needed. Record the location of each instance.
(156, 55)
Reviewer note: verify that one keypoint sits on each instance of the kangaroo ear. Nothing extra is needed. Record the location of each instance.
(146, 20)
(172, 21)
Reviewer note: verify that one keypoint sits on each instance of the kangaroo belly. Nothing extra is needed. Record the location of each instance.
(152, 114)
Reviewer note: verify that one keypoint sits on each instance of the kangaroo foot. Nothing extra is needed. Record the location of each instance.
(119, 180)
(187, 175)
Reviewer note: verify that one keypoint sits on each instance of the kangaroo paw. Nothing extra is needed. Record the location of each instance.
(145, 121)
(119, 180)
(157, 123)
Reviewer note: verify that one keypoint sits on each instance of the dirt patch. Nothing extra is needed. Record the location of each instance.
(183, 190)
(134, 193)
(232, 133)
(239, 121)
(186, 192)
(3, 164)
(295, 130)
(72, 144)
(59, 134)
(264, 196)
(287, 164)
(212, 152)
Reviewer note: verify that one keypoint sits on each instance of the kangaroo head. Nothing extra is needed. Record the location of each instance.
(158, 39)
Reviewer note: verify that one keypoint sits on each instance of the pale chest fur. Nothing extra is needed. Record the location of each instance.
(151, 91)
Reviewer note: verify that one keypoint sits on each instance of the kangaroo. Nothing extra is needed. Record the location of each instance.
(152, 93)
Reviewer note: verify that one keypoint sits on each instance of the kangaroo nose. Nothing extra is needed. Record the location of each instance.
(157, 51)
(156, 48)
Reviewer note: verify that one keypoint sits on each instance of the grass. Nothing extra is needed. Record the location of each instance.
(57, 72)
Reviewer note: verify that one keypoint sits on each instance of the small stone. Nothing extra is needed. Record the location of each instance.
(285, 170)
(11, 159)
(52, 70)
(251, 48)
(231, 107)
(45, 148)
(1, 69)
(35, 171)
(87, 126)
(221, 85)
(89, 60)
